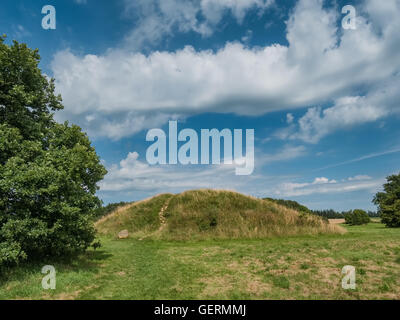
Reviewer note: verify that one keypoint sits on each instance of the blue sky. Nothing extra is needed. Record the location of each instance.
(323, 101)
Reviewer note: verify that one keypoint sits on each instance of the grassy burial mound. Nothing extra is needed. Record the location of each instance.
(210, 214)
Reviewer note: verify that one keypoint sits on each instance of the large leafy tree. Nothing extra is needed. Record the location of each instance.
(388, 202)
(48, 171)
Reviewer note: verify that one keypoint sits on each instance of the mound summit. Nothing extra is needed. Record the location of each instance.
(210, 214)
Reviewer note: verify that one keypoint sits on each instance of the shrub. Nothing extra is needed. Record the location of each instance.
(357, 217)
(207, 221)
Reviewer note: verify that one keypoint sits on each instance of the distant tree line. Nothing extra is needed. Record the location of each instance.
(327, 214)
(332, 214)
(290, 204)
(387, 201)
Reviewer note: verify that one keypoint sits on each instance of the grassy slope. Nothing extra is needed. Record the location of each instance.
(210, 214)
(299, 267)
(141, 217)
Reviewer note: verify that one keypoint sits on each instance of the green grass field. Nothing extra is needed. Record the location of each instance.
(298, 267)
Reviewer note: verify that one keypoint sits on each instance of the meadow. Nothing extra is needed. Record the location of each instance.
(294, 267)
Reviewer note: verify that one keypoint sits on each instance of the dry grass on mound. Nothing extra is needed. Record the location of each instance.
(211, 214)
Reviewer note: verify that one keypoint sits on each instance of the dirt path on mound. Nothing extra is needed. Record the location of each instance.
(163, 220)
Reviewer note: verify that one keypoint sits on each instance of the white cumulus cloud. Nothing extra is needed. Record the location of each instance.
(326, 186)
(321, 64)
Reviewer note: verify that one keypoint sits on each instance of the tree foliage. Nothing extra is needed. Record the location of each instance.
(388, 202)
(48, 171)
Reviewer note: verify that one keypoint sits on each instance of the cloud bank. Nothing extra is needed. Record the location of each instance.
(122, 92)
